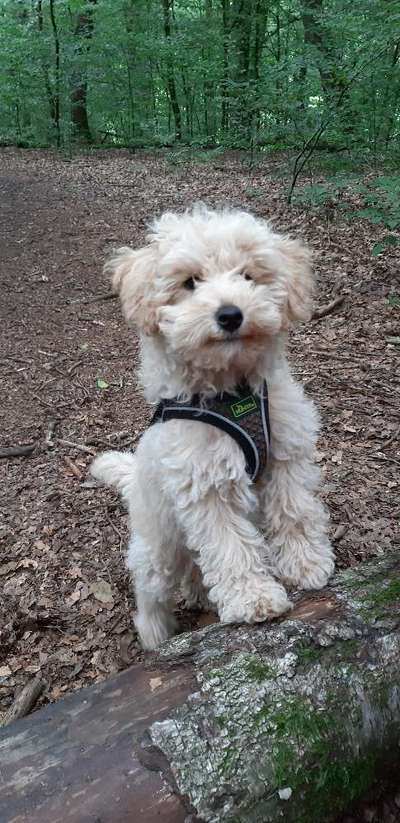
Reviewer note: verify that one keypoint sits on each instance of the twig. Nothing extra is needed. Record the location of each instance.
(50, 433)
(40, 400)
(17, 451)
(391, 439)
(78, 446)
(97, 299)
(113, 526)
(385, 459)
(74, 366)
(328, 308)
(73, 468)
(24, 701)
(340, 532)
(119, 435)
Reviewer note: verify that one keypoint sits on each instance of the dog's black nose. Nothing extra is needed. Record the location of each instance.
(229, 317)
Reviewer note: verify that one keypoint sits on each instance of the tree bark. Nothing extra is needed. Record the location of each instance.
(171, 85)
(293, 720)
(310, 705)
(333, 79)
(56, 94)
(225, 8)
(242, 33)
(79, 114)
(46, 76)
(209, 96)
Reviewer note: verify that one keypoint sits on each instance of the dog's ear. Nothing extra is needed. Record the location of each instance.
(298, 278)
(132, 276)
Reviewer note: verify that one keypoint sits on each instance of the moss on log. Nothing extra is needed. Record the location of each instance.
(294, 720)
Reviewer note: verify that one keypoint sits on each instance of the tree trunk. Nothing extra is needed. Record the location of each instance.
(332, 78)
(225, 7)
(242, 32)
(209, 94)
(259, 36)
(171, 85)
(56, 95)
(293, 720)
(79, 115)
(45, 68)
(140, 89)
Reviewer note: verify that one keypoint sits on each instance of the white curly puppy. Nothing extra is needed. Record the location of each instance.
(213, 295)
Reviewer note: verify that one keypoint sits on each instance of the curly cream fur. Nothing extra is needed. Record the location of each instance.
(189, 497)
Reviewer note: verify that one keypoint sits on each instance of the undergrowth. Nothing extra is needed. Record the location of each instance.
(376, 200)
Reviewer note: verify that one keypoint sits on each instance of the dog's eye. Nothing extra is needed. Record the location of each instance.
(246, 275)
(190, 283)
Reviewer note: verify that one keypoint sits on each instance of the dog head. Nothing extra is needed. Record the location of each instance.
(214, 287)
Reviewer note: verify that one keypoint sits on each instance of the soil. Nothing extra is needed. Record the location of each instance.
(67, 367)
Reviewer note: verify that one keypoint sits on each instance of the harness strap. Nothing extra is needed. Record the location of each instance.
(244, 416)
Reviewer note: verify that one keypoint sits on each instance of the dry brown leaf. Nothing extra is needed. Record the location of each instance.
(74, 597)
(5, 568)
(337, 457)
(102, 591)
(28, 563)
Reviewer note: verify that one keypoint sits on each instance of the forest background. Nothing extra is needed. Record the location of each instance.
(203, 76)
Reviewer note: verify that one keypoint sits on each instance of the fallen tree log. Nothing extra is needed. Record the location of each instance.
(295, 720)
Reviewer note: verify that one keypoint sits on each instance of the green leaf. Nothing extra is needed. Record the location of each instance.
(371, 214)
(101, 384)
(390, 240)
(377, 249)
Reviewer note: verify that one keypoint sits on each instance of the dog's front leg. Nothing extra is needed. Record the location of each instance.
(296, 525)
(296, 522)
(231, 555)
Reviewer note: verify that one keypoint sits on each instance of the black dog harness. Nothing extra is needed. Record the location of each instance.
(244, 416)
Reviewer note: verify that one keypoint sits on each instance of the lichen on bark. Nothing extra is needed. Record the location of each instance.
(291, 720)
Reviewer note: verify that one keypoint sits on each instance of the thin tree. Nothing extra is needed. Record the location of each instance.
(171, 84)
(56, 94)
(79, 115)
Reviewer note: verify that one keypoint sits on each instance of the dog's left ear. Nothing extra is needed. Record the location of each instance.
(298, 277)
(132, 276)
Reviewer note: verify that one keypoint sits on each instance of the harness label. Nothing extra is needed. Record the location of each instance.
(243, 407)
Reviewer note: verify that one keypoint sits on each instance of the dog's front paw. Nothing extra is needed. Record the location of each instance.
(304, 566)
(255, 602)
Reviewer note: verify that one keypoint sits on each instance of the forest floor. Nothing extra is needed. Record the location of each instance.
(67, 366)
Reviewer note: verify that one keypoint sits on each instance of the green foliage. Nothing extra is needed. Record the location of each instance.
(211, 74)
(380, 200)
(383, 203)
(193, 154)
(389, 240)
(329, 191)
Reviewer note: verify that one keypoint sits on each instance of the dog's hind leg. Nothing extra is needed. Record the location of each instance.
(153, 557)
(154, 572)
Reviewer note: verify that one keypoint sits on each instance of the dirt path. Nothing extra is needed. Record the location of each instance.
(67, 604)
